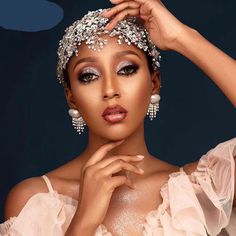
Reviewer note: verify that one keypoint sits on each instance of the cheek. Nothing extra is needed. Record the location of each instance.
(86, 99)
(135, 96)
(139, 93)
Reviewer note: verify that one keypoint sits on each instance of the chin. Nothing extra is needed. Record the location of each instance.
(117, 133)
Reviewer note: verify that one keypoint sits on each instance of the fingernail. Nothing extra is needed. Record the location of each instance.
(107, 25)
(140, 156)
(132, 186)
(141, 170)
(119, 142)
(105, 12)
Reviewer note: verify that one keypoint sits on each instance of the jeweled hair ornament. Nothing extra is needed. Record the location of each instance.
(89, 30)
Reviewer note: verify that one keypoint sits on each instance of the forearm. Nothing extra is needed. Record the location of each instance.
(216, 64)
(79, 226)
(79, 230)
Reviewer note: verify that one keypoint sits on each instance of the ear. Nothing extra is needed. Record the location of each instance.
(69, 98)
(156, 82)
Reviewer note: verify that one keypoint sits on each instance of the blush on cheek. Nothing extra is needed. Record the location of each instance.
(141, 97)
(144, 91)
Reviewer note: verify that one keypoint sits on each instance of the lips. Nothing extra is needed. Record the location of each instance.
(114, 114)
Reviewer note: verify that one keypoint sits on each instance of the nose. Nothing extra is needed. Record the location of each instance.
(111, 89)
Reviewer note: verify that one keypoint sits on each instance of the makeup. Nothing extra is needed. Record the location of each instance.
(114, 114)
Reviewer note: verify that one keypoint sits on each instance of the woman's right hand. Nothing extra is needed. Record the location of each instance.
(164, 28)
(98, 183)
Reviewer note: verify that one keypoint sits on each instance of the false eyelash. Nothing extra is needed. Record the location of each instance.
(82, 78)
(132, 67)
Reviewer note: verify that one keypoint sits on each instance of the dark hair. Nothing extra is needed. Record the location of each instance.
(67, 80)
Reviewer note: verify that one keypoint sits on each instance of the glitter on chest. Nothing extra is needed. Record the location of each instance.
(122, 217)
(125, 197)
(127, 223)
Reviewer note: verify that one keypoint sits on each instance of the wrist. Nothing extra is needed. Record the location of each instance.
(80, 229)
(81, 226)
(185, 36)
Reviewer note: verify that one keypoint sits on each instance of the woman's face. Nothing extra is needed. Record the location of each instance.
(118, 75)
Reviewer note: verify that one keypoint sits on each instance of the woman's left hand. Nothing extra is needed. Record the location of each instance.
(164, 28)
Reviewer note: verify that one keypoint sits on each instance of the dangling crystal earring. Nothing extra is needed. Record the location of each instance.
(77, 120)
(154, 106)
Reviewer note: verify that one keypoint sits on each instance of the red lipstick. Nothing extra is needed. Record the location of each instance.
(114, 114)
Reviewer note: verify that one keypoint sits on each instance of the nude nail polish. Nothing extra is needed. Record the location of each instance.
(140, 156)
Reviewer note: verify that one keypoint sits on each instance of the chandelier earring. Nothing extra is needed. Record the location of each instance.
(77, 120)
(153, 106)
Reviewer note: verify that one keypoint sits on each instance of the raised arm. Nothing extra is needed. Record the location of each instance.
(216, 64)
(168, 33)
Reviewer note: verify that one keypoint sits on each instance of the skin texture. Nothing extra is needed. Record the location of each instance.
(168, 33)
(108, 173)
(112, 165)
(132, 92)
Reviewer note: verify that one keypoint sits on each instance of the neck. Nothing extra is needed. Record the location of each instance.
(132, 145)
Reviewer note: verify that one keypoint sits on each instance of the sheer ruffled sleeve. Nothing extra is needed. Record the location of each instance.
(44, 214)
(201, 203)
(214, 181)
(5, 227)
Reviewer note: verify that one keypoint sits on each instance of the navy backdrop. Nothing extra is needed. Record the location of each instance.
(36, 131)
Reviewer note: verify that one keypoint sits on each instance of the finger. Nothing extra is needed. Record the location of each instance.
(156, 2)
(102, 151)
(119, 165)
(122, 15)
(126, 158)
(117, 181)
(121, 1)
(118, 8)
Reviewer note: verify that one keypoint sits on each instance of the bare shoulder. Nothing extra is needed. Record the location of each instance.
(190, 167)
(64, 180)
(21, 193)
(160, 171)
(164, 169)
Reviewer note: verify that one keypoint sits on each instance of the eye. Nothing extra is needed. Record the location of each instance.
(128, 70)
(87, 78)
(88, 75)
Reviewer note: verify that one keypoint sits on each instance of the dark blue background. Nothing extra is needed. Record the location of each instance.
(36, 132)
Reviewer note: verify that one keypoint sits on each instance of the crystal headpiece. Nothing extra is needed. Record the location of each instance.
(88, 30)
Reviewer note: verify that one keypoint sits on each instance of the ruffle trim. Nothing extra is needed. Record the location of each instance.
(5, 227)
(194, 204)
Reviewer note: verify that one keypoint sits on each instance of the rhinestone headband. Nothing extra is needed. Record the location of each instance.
(91, 27)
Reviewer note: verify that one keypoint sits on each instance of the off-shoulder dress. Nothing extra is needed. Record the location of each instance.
(198, 204)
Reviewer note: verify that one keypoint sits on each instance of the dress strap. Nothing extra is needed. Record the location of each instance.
(48, 183)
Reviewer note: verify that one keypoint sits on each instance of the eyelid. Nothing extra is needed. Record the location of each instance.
(89, 70)
(124, 64)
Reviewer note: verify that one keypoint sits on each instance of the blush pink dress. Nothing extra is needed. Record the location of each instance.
(199, 204)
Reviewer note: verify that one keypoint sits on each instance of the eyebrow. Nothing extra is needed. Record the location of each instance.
(116, 55)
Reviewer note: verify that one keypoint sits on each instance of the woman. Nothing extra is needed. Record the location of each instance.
(116, 187)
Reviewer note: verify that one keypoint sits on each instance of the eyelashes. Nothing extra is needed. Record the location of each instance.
(90, 74)
(87, 78)
(128, 70)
